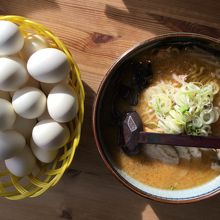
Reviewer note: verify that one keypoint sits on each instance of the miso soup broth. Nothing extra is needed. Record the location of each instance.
(175, 66)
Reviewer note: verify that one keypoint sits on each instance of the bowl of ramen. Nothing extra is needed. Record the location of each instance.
(172, 82)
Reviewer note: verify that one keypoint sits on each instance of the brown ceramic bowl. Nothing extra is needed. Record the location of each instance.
(106, 133)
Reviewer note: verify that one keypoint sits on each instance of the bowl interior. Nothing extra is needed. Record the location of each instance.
(106, 132)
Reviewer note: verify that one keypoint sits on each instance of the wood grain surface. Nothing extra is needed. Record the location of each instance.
(97, 32)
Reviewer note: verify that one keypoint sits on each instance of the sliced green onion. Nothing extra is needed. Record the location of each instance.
(188, 108)
(207, 117)
(171, 126)
(178, 117)
(197, 122)
(161, 104)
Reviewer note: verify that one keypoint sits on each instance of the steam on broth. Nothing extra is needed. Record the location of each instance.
(196, 72)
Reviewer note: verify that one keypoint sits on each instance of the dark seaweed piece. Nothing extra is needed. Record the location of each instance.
(141, 74)
(133, 98)
(124, 91)
(137, 76)
(130, 95)
(116, 114)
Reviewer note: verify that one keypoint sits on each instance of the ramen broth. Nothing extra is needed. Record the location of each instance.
(170, 63)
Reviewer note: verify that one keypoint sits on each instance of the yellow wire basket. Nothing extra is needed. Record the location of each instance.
(45, 175)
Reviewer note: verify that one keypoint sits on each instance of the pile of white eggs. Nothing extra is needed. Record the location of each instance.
(35, 100)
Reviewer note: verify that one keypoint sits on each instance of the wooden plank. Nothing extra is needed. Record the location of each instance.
(97, 32)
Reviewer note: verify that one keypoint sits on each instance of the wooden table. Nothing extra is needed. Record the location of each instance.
(97, 32)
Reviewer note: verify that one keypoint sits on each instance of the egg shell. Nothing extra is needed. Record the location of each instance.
(31, 82)
(29, 102)
(46, 87)
(22, 164)
(48, 65)
(62, 103)
(7, 115)
(45, 156)
(24, 126)
(5, 95)
(11, 40)
(32, 43)
(13, 74)
(11, 142)
(50, 135)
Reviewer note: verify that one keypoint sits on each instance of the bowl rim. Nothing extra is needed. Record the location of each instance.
(96, 104)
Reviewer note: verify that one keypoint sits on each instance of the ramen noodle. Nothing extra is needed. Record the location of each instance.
(187, 75)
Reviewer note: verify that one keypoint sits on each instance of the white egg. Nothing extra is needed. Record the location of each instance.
(24, 126)
(22, 164)
(29, 102)
(46, 87)
(45, 156)
(11, 40)
(7, 115)
(50, 135)
(5, 95)
(11, 142)
(13, 73)
(48, 65)
(30, 83)
(62, 103)
(32, 43)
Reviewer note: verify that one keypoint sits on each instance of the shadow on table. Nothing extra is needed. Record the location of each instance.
(28, 6)
(87, 151)
(143, 13)
(91, 181)
(207, 209)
